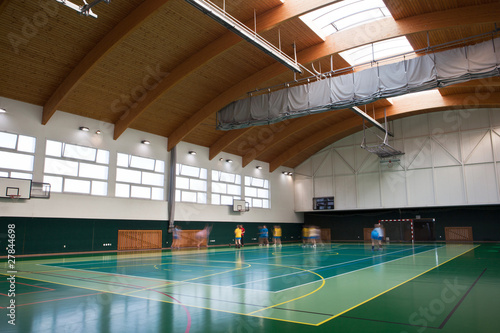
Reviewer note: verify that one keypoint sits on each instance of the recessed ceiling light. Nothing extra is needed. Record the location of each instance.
(221, 159)
(229, 161)
(192, 152)
(98, 132)
(146, 142)
(83, 128)
(258, 167)
(3, 110)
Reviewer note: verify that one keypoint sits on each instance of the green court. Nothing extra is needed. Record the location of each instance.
(336, 287)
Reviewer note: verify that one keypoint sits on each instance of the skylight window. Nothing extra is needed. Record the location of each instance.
(377, 51)
(345, 14)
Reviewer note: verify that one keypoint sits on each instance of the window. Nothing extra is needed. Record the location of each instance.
(191, 184)
(345, 14)
(139, 177)
(76, 169)
(376, 51)
(226, 187)
(17, 155)
(257, 192)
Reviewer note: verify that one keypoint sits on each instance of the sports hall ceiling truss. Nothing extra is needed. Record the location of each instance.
(163, 67)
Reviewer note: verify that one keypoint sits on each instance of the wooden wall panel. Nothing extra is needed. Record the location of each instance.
(139, 239)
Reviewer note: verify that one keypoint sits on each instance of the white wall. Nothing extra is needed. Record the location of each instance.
(451, 158)
(25, 119)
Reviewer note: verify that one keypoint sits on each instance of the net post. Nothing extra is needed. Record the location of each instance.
(412, 234)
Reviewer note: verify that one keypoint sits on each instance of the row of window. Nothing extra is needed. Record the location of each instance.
(76, 169)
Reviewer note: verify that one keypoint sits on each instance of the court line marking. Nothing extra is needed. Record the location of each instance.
(231, 312)
(384, 292)
(325, 267)
(312, 292)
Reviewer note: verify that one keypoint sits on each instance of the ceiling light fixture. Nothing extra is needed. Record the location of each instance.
(258, 167)
(83, 128)
(192, 152)
(98, 132)
(146, 142)
(229, 161)
(3, 110)
(222, 17)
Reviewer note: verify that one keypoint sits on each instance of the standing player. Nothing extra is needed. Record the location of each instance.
(237, 237)
(377, 236)
(177, 237)
(277, 235)
(264, 233)
(203, 235)
(242, 235)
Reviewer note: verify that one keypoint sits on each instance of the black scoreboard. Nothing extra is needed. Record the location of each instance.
(323, 203)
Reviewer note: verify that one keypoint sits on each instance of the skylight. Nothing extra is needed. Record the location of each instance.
(345, 14)
(377, 51)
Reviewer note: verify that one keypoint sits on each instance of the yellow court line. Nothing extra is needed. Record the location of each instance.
(312, 292)
(384, 292)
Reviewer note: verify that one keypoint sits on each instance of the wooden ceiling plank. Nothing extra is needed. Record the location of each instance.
(404, 107)
(226, 140)
(100, 50)
(266, 21)
(342, 41)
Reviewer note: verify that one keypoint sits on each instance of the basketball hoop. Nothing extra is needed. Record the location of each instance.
(15, 197)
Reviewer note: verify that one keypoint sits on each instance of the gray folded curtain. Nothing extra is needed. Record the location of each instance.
(340, 92)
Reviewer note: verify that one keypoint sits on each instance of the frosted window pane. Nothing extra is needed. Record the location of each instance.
(21, 175)
(140, 192)
(122, 160)
(55, 183)
(227, 177)
(257, 182)
(203, 173)
(219, 188)
(128, 176)
(215, 175)
(53, 148)
(182, 182)
(16, 161)
(61, 167)
(190, 171)
(93, 171)
(215, 199)
(26, 144)
(122, 190)
(152, 179)
(234, 189)
(8, 140)
(257, 203)
(99, 188)
(238, 180)
(189, 196)
(198, 185)
(250, 192)
(102, 156)
(142, 163)
(265, 203)
(160, 166)
(226, 200)
(263, 194)
(177, 195)
(77, 186)
(4, 174)
(248, 181)
(266, 184)
(202, 198)
(157, 193)
(79, 152)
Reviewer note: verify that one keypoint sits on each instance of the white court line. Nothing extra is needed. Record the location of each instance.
(322, 267)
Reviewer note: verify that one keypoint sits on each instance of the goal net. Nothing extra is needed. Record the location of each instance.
(398, 230)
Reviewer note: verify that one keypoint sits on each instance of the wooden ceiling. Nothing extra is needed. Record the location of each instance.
(163, 67)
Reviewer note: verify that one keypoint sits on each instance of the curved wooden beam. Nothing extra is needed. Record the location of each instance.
(266, 21)
(100, 50)
(226, 140)
(405, 106)
(345, 40)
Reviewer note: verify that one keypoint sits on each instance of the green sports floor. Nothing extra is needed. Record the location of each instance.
(338, 287)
